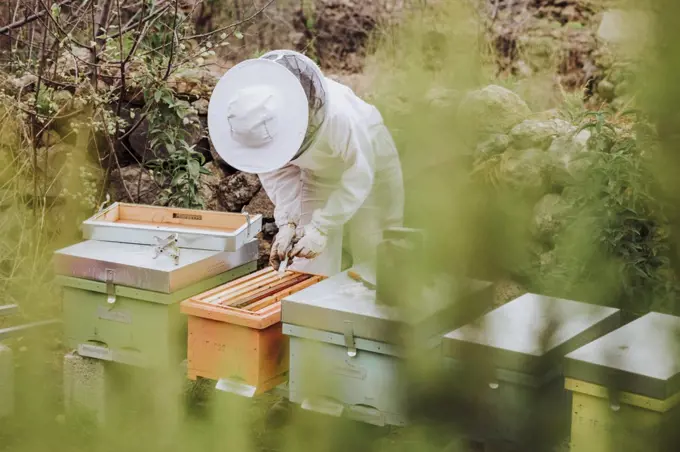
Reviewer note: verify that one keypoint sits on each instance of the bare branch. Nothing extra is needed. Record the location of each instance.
(228, 27)
(172, 44)
(6, 29)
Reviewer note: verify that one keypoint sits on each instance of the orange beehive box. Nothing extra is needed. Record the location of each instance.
(235, 330)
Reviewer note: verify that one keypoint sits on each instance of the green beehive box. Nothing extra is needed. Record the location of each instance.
(121, 304)
(523, 401)
(626, 388)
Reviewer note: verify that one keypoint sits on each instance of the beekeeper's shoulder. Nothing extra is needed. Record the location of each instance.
(345, 102)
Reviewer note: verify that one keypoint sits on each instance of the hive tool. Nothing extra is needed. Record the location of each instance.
(167, 246)
(357, 277)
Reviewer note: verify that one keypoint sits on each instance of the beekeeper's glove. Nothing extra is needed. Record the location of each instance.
(310, 243)
(282, 244)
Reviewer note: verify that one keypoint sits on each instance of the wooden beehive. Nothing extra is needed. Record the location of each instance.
(235, 330)
(625, 388)
(195, 229)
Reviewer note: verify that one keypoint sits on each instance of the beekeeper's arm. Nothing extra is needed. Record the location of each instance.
(352, 145)
(283, 187)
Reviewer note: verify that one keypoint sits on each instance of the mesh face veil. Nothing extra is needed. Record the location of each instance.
(311, 79)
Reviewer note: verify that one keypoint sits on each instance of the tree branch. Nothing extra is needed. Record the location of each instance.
(235, 24)
(6, 29)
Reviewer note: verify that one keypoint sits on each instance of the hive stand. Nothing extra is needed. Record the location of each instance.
(107, 392)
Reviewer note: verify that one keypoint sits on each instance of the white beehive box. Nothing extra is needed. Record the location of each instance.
(346, 358)
(195, 229)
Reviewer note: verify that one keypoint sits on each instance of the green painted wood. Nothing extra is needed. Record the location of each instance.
(141, 328)
(158, 297)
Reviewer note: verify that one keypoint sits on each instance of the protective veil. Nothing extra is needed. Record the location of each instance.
(346, 174)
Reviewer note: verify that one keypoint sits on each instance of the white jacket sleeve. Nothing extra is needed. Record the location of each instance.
(284, 187)
(352, 145)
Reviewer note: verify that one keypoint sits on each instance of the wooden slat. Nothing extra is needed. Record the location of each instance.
(269, 290)
(266, 302)
(8, 309)
(164, 215)
(226, 297)
(234, 298)
(219, 289)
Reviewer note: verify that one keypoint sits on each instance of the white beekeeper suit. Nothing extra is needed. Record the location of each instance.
(324, 156)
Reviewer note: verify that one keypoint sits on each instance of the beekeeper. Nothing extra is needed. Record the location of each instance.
(324, 156)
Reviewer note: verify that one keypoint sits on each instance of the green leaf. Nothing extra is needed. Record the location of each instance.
(193, 168)
(178, 179)
(238, 34)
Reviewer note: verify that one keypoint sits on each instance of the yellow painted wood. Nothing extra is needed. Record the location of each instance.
(628, 398)
(635, 424)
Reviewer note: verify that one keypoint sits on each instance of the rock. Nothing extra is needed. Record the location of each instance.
(524, 169)
(546, 262)
(201, 140)
(201, 106)
(138, 138)
(49, 138)
(196, 83)
(269, 231)
(62, 98)
(210, 186)
(524, 69)
(262, 205)
(568, 158)
(265, 248)
(620, 103)
(538, 134)
(219, 160)
(238, 190)
(546, 115)
(495, 145)
(51, 161)
(23, 83)
(621, 89)
(606, 90)
(442, 97)
(507, 290)
(134, 184)
(490, 110)
(549, 217)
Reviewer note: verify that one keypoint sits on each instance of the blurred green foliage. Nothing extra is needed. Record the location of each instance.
(617, 243)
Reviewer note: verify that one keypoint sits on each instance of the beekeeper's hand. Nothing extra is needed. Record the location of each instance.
(282, 243)
(310, 243)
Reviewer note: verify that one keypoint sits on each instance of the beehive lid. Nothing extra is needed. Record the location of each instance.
(253, 301)
(640, 357)
(134, 265)
(195, 229)
(331, 304)
(515, 336)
